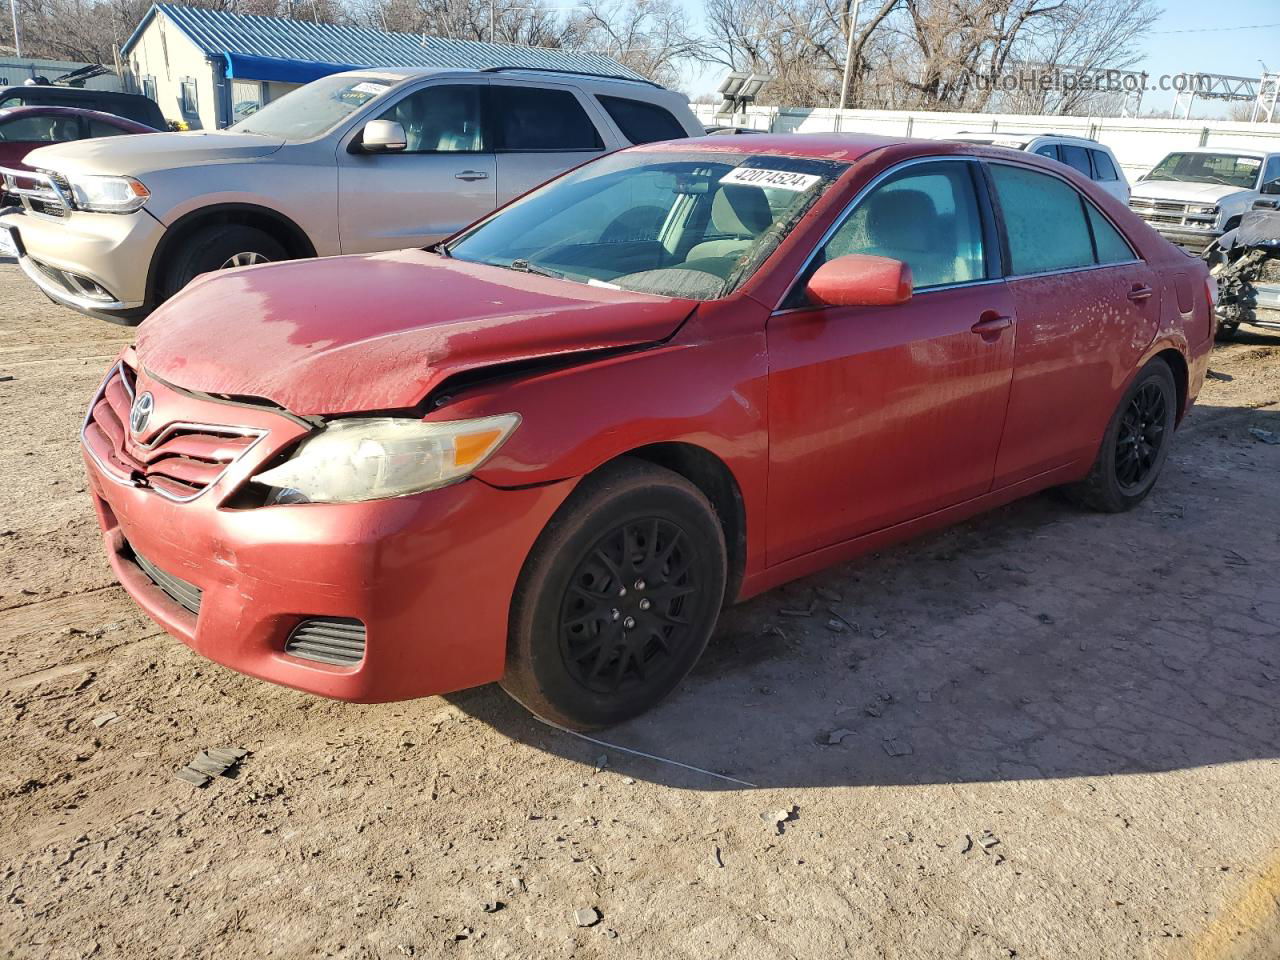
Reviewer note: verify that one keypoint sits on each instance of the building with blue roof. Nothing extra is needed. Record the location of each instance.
(208, 68)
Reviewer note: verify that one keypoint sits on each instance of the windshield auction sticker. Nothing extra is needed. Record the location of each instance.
(774, 179)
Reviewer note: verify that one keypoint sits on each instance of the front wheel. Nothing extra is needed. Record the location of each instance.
(1135, 446)
(220, 247)
(617, 599)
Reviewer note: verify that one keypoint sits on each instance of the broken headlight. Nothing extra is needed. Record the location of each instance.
(379, 457)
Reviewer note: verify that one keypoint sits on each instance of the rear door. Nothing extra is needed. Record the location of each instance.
(539, 131)
(878, 415)
(1087, 309)
(441, 182)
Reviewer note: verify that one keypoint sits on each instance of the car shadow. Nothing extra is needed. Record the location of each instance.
(1038, 641)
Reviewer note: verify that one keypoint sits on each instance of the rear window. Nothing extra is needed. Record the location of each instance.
(1106, 170)
(642, 122)
(1076, 157)
(1044, 221)
(536, 118)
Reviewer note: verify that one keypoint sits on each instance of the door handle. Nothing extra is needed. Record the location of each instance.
(991, 324)
(1139, 292)
(471, 175)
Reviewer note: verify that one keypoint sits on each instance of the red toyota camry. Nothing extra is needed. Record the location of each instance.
(549, 450)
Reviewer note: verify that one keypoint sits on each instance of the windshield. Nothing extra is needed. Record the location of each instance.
(312, 109)
(1227, 169)
(680, 224)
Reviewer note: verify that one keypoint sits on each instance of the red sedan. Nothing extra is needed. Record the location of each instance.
(23, 129)
(549, 450)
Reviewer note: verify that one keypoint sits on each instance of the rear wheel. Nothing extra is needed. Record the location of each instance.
(1136, 444)
(617, 599)
(219, 247)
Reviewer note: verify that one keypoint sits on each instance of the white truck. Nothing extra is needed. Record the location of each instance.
(1192, 197)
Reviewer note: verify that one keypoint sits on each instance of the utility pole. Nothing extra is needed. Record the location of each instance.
(17, 41)
(848, 53)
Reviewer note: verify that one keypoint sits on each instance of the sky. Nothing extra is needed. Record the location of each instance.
(1186, 39)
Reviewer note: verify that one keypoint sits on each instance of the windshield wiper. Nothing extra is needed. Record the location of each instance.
(524, 266)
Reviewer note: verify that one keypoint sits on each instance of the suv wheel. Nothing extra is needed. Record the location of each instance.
(218, 247)
(617, 599)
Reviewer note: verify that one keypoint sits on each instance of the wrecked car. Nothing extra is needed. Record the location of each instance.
(1245, 263)
(548, 450)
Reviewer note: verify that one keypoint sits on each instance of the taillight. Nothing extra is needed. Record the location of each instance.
(1211, 291)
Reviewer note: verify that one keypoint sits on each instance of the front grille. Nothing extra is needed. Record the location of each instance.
(179, 463)
(1170, 213)
(186, 595)
(330, 640)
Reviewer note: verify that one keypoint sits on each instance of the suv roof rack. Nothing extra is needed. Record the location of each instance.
(573, 73)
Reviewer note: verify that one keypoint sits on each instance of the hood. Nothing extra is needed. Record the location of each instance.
(366, 333)
(1183, 192)
(140, 153)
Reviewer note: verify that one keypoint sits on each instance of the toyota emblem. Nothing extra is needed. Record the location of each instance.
(140, 413)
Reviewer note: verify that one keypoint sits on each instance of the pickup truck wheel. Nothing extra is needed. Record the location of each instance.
(1135, 446)
(617, 599)
(219, 246)
(1226, 330)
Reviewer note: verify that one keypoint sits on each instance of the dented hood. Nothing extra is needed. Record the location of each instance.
(353, 334)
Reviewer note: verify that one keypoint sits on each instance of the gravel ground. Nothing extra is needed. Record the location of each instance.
(1042, 734)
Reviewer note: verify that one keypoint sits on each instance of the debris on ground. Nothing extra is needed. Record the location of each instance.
(828, 595)
(602, 761)
(1236, 559)
(492, 906)
(777, 818)
(1266, 436)
(6, 377)
(988, 840)
(968, 843)
(215, 762)
(1045, 618)
(836, 626)
(799, 612)
(104, 719)
(897, 748)
(1216, 375)
(716, 858)
(879, 632)
(836, 736)
(586, 916)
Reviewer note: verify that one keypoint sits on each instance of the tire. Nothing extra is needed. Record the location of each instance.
(210, 248)
(1225, 332)
(1135, 446)
(617, 599)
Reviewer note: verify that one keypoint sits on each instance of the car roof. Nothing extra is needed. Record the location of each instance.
(400, 74)
(57, 111)
(845, 147)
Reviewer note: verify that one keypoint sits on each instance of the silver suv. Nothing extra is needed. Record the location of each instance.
(352, 163)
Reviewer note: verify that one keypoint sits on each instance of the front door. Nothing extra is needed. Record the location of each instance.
(880, 415)
(441, 182)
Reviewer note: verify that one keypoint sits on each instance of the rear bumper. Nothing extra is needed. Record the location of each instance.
(96, 263)
(430, 576)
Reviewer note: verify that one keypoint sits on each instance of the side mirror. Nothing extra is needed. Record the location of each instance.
(1271, 187)
(383, 136)
(861, 280)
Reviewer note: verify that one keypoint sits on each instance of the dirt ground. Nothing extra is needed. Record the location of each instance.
(1042, 734)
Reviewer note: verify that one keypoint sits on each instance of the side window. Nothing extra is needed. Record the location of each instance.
(642, 122)
(1077, 157)
(1102, 164)
(1110, 245)
(1272, 171)
(1043, 219)
(926, 216)
(149, 88)
(1048, 150)
(536, 118)
(441, 119)
(50, 129)
(99, 129)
